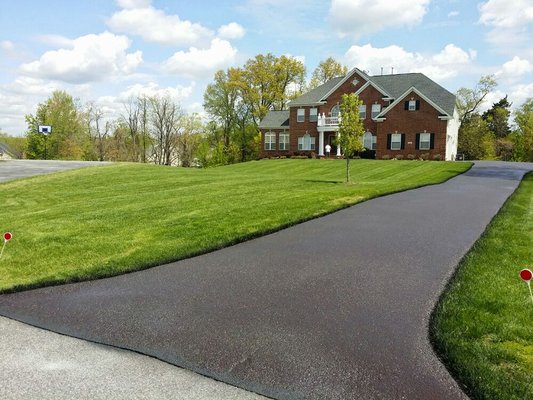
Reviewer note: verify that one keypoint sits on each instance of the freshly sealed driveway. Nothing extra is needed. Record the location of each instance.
(334, 308)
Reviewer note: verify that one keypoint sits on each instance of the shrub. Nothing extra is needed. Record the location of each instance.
(385, 157)
(424, 156)
(411, 156)
(399, 157)
(437, 157)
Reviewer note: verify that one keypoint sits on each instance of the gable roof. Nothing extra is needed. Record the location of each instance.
(397, 86)
(393, 86)
(316, 95)
(275, 119)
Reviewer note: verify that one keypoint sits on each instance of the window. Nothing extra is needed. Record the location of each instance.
(376, 109)
(396, 141)
(369, 141)
(313, 114)
(306, 142)
(270, 141)
(284, 141)
(425, 141)
(412, 105)
(301, 115)
(335, 111)
(362, 111)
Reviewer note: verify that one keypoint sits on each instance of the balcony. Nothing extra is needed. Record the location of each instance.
(328, 123)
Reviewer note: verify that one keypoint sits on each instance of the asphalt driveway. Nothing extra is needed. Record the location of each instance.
(334, 308)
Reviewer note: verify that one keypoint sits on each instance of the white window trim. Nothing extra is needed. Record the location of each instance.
(270, 144)
(313, 117)
(376, 109)
(284, 140)
(428, 141)
(398, 142)
(412, 105)
(306, 143)
(362, 111)
(335, 110)
(300, 115)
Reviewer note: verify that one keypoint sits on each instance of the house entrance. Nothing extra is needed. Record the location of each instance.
(331, 141)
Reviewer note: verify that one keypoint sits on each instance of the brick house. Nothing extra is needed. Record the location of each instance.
(405, 115)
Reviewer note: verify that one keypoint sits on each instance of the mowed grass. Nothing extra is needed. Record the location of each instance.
(103, 221)
(483, 326)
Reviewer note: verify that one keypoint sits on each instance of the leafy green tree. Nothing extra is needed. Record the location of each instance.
(476, 139)
(326, 70)
(16, 144)
(351, 129)
(265, 80)
(69, 138)
(523, 135)
(497, 118)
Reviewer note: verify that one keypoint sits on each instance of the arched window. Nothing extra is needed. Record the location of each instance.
(270, 141)
(335, 111)
(369, 141)
(306, 142)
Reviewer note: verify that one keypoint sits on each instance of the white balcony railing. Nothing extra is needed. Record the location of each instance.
(324, 121)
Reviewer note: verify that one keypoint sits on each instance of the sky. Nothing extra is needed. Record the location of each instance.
(107, 51)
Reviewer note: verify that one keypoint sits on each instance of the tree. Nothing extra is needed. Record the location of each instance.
(326, 70)
(69, 138)
(475, 138)
(524, 131)
(98, 129)
(166, 118)
(469, 100)
(497, 118)
(351, 129)
(264, 82)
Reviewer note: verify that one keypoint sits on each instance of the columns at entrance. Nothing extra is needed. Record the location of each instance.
(321, 143)
(338, 144)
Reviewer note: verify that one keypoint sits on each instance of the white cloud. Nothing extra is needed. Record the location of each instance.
(7, 45)
(128, 4)
(453, 14)
(358, 17)
(201, 63)
(510, 25)
(231, 31)
(92, 58)
(513, 70)
(441, 66)
(56, 41)
(502, 14)
(155, 26)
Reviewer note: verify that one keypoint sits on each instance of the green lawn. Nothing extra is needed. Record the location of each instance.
(104, 221)
(483, 326)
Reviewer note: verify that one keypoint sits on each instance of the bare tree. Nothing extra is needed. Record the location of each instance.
(98, 129)
(166, 118)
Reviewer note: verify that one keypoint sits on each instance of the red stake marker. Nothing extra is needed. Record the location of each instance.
(7, 238)
(526, 275)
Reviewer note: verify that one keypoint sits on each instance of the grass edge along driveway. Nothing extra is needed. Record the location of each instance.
(98, 222)
(482, 327)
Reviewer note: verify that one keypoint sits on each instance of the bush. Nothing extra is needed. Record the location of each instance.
(399, 157)
(437, 157)
(424, 156)
(385, 157)
(411, 156)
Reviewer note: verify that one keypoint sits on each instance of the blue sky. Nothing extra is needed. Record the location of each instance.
(107, 51)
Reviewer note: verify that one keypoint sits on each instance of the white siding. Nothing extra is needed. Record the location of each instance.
(452, 136)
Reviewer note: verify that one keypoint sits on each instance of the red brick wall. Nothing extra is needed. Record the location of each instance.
(410, 123)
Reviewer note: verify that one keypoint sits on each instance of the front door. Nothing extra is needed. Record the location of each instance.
(332, 137)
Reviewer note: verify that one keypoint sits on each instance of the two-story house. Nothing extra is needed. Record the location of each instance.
(406, 115)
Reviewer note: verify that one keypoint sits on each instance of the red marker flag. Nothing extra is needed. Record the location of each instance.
(7, 238)
(526, 275)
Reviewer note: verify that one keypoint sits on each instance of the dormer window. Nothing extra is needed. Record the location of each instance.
(412, 105)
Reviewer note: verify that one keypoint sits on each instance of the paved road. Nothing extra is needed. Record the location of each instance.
(335, 308)
(39, 364)
(14, 169)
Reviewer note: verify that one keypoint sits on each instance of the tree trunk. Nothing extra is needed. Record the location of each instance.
(347, 169)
